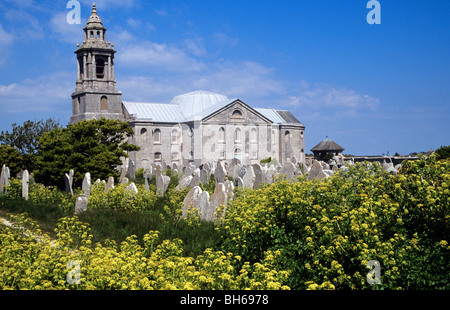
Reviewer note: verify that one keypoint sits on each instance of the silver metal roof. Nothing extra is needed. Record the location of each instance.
(195, 106)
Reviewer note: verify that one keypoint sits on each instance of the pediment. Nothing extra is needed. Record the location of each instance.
(236, 112)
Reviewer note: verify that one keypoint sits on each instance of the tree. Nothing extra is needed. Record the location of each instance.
(25, 138)
(11, 157)
(443, 152)
(93, 146)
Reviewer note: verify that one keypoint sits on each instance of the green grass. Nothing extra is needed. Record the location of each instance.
(117, 225)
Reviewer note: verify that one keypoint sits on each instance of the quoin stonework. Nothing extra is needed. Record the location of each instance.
(196, 127)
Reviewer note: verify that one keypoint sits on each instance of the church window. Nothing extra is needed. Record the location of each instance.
(273, 136)
(287, 136)
(100, 68)
(92, 34)
(143, 131)
(236, 114)
(157, 156)
(253, 135)
(104, 103)
(222, 154)
(157, 136)
(174, 136)
(221, 134)
(78, 104)
(237, 135)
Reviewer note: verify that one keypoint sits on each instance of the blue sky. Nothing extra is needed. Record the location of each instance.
(371, 88)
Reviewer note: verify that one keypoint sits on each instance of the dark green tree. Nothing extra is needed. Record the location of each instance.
(25, 138)
(443, 152)
(11, 157)
(93, 146)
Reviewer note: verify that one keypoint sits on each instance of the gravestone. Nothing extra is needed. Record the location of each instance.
(202, 204)
(195, 178)
(204, 176)
(131, 169)
(184, 182)
(132, 188)
(220, 173)
(147, 178)
(109, 184)
(315, 170)
(25, 182)
(162, 182)
(288, 170)
(259, 175)
(81, 204)
(124, 181)
(124, 170)
(68, 180)
(218, 204)
(87, 184)
(189, 200)
(2, 179)
(249, 177)
(229, 189)
(240, 182)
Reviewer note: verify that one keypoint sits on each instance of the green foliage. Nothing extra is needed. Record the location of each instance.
(25, 138)
(443, 152)
(11, 157)
(327, 230)
(93, 146)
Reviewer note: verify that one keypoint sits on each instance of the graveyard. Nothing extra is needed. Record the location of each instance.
(227, 225)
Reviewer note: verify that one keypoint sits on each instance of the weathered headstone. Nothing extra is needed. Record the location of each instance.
(249, 177)
(218, 204)
(204, 176)
(81, 204)
(131, 169)
(229, 189)
(202, 204)
(189, 200)
(162, 182)
(2, 179)
(184, 182)
(315, 170)
(220, 172)
(132, 188)
(109, 184)
(124, 170)
(195, 178)
(240, 182)
(124, 181)
(259, 175)
(68, 180)
(288, 170)
(25, 182)
(87, 184)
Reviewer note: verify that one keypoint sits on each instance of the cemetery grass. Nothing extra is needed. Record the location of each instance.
(117, 225)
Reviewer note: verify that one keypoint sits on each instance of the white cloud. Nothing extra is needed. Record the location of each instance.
(63, 31)
(6, 40)
(330, 101)
(45, 93)
(150, 54)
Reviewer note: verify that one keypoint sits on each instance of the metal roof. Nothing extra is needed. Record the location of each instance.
(195, 106)
(157, 112)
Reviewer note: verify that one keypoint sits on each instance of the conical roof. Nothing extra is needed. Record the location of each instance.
(327, 145)
(94, 20)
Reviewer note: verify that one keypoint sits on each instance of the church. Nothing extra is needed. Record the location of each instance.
(196, 127)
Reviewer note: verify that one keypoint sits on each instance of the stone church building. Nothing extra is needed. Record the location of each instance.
(196, 127)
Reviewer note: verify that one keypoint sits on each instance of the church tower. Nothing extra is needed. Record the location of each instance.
(96, 95)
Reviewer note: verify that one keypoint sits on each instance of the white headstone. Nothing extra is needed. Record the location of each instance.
(189, 200)
(25, 181)
(87, 184)
(81, 204)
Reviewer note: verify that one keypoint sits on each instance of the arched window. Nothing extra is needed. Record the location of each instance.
(253, 135)
(237, 135)
(103, 103)
(158, 156)
(78, 104)
(236, 114)
(287, 136)
(174, 136)
(238, 153)
(143, 131)
(222, 134)
(157, 136)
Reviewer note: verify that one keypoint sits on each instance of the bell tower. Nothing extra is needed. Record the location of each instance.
(96, 95)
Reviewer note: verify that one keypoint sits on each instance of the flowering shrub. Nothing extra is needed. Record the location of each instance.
(72, 262)
(119, 198)
(328, 230)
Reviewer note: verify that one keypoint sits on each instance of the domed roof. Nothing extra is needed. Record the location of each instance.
(94, 20)
(197, 102)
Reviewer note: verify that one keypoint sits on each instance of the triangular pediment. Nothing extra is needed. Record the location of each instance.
(237, 112)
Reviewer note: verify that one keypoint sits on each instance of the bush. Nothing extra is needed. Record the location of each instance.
(328, 230)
